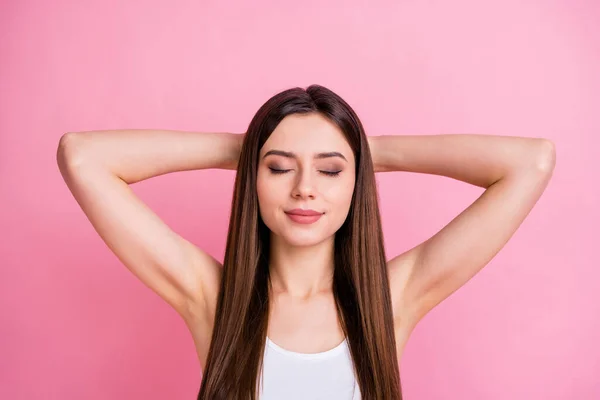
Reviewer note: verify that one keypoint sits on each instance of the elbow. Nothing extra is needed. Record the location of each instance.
(68, 152)
(545, 159)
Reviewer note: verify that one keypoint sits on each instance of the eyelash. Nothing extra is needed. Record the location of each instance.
(283, 171)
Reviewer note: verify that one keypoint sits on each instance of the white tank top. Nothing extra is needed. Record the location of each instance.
(315, 376)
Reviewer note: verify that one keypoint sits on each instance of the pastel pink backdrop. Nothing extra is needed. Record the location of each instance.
(75, 324)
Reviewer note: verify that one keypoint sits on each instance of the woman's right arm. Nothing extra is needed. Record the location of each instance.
(98, 167)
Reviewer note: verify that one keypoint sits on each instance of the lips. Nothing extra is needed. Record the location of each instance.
(307, 213)
(300, 216)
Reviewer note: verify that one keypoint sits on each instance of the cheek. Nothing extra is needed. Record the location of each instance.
(341, 194)
(268, 198)
(339, 199)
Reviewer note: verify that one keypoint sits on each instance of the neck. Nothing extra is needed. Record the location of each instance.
(301, 271)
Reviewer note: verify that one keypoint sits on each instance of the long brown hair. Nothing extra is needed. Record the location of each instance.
(360, 280)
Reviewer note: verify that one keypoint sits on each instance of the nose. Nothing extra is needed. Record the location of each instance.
(304, 187)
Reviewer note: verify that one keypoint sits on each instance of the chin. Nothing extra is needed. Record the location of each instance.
(303, 239)
(299, 235)
(303, 242)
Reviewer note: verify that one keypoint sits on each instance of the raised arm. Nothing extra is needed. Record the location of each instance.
(515, 171)
(98, 167)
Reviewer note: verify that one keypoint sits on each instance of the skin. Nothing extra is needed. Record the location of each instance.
(303, 315)
(99, 166)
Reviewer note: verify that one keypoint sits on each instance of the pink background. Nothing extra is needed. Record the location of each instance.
(75, 324)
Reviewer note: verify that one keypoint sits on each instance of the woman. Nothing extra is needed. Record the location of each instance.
(305, 305)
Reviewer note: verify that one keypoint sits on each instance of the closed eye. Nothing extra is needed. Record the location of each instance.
(279, 171)
(283, 171)
(330, 173)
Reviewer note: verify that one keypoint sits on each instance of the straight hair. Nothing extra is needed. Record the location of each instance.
(360, 279)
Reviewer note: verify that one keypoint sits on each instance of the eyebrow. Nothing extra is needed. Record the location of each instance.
(289, 154)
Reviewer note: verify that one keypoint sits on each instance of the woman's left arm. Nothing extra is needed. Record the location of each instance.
(514, 171)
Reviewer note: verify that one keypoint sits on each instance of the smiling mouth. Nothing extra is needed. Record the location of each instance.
(300, 211)
(304, 216)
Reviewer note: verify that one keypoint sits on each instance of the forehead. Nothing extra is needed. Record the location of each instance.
(307, 134)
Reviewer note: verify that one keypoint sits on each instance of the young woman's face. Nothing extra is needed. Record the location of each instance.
(305, 165)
